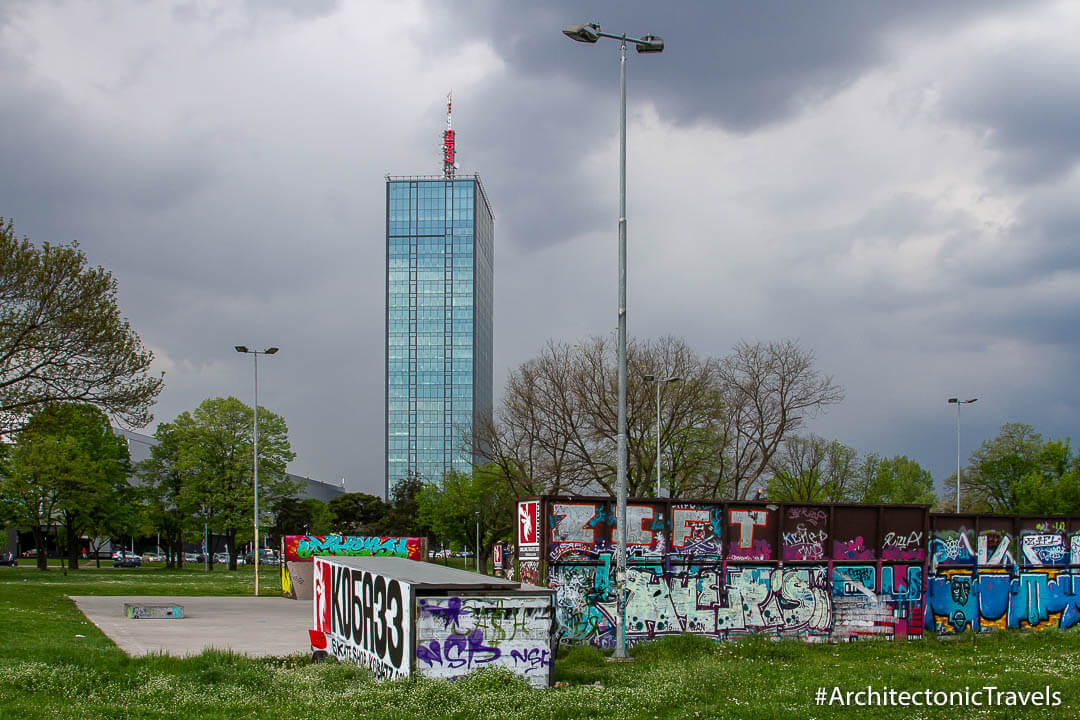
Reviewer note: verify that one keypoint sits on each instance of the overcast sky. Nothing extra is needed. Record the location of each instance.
(893, 184)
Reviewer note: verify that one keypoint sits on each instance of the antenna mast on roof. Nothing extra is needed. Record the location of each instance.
(448, 142)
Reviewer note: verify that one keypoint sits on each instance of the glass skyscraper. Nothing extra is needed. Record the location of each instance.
(440, 236)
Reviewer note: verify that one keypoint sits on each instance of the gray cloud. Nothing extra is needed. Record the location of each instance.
(740, 64)
(1026, 96)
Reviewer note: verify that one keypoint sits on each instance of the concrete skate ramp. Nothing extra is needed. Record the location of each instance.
(253, 626)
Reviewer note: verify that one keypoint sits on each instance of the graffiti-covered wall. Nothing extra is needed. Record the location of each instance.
(456, 635)
(819, 572)
(1003, 572)
(297, 552)
(401, 618)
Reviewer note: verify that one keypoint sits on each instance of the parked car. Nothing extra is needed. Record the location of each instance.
(223, 558)
(124, 554)
(267, 556)
(153, 557)
(8, 558)
(192, 558)
(127, 560)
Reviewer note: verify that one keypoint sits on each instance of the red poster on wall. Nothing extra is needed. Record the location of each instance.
(528, 536)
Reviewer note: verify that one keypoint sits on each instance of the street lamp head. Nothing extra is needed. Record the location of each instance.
(241, 348)
(953, 401)
(674, 378)
(650, 378)
(967, 402)
(270, 350)
(587, 33)
(650, 44)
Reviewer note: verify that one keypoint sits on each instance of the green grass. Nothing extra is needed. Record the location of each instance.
(48, 672)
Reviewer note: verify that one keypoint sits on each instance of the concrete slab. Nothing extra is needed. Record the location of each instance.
(253, 626)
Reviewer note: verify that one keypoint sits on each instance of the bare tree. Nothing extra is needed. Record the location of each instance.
(556, 429)
(772, 388)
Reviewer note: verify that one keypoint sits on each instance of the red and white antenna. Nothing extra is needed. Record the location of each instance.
(448, 141)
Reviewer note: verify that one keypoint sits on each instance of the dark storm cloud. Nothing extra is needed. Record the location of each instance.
(529, 145)
(55, 162)
(741, 64)
(1042, 244)
(1027, 96)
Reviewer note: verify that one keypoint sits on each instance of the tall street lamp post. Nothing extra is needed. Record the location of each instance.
(255, 430)
(659, 381)
(958, 402)
(590, 33)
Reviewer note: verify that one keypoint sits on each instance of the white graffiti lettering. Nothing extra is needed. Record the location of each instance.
(896, 540)
(572, 523)
(1001, 555)
(747, 520)
(639, 527)
(687, 524)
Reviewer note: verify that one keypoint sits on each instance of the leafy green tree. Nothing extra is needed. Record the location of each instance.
(8, 512)
(356, 513)
(32, 488)
(402, 518)
(167, 507)
(109, 505)
(812, 469)
(62, 337)
(117, 512)
(68, 469)
(453, 507)
(215, 458)
(1004, 474)
(893, 480)
(293, 516)
(1068, 490)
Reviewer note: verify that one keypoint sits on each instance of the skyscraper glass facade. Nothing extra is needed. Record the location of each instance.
(440, 238)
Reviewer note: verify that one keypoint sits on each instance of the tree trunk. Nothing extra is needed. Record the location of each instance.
(230, 539)
(210, 551)
(42, 550)
(72, 544)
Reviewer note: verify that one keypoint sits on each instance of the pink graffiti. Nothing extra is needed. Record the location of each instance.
(760, 550)
(814, 516)
(852, 550)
